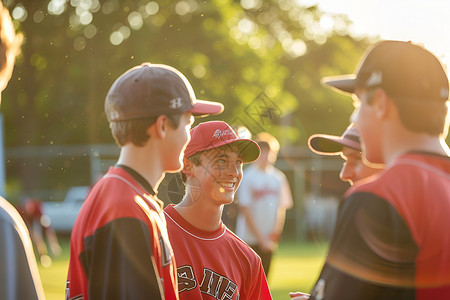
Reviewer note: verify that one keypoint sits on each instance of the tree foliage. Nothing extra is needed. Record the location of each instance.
(262, 59)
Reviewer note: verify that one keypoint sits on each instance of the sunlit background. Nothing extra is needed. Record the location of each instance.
(422, 21)
(262, 58)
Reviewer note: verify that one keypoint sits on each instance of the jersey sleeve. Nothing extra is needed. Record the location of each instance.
(19, 277)
(119, 263)
(260, 288)
(372, 254)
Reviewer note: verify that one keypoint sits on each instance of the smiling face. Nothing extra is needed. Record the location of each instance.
(218, 174)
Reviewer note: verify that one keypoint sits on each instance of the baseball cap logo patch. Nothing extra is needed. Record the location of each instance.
(175, 103)
(375, 79)
(220, 133)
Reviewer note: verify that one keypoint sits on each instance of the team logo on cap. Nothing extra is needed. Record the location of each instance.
(175, 103)
(375, 79)
(220, 133)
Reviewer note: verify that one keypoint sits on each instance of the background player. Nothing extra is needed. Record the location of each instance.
(39, 226)
(389, 241)
(348, 146)
(212, 262)
(19, 276)
(119, 245)
(263, 198)
(354, 169)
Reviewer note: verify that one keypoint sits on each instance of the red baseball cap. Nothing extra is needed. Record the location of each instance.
(214, 134)
(325, 144)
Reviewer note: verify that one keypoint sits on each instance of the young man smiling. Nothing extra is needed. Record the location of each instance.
(212, 262)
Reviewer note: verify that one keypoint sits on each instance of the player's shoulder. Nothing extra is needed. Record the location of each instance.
(409, 170)
(238, 244)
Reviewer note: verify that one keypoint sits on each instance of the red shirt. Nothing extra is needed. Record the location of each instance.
(391, 239)
(214, 264)
(119, 247)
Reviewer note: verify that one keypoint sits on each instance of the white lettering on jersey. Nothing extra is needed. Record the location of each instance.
(213, 284)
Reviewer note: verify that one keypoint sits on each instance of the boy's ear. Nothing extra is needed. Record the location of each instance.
(188, 167)
(159, 127)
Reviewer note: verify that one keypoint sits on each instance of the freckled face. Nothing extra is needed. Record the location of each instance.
(219, 174)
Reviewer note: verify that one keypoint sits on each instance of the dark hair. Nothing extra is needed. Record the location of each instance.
(418, 115)
(135, 131)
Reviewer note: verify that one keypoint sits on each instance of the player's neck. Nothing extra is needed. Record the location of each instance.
(199, 213)
(143, 161)
(407, 141)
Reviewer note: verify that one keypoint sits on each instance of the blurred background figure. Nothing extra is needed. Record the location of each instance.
(263, 198)
(19, 276)
(41, 232)
(348, 146)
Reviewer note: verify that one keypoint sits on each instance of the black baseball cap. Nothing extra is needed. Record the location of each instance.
(404, 70)
(151, 90)
(325, 144)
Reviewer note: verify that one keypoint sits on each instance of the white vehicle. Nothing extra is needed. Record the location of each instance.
(63, 214)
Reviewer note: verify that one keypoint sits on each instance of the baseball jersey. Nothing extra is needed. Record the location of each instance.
(214, 264)
(19, 276)
(119, 247)
(263, 192)
(391, 239)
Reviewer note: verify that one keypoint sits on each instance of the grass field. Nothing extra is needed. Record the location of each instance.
(294, 268)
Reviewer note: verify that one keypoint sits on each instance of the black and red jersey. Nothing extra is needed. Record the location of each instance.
(391, 239)
(119, 246)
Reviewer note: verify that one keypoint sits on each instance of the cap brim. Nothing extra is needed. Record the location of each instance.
(343, 83)
(203, 108)
(325, 144)
(249, 150)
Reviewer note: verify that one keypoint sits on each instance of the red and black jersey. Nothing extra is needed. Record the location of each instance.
(391, 239)
(119, 246)
(214, 264)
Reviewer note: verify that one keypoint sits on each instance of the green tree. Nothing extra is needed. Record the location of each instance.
(262, 59)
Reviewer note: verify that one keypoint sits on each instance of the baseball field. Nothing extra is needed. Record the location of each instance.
(295, 267)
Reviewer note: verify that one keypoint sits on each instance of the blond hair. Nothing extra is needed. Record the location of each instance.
(9, 46)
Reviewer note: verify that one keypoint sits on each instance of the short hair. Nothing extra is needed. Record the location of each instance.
(10, 43)
(422, 115)
(419, 115)
(135, 131)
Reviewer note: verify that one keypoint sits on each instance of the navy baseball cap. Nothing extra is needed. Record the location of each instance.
(215, 134)
(325, 144)
(151, 90)
(403, 69)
